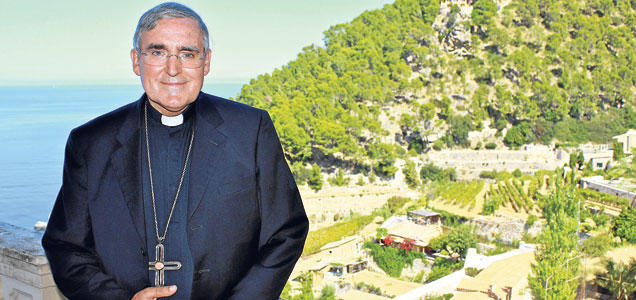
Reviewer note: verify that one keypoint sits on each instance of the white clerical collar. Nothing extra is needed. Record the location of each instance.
(172, 121)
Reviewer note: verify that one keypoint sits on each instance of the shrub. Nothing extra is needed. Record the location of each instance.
(472, 272)
(390, 259)
(491, 146)
(301, 174)
(530, 220)
(325, 235)
(458, 240)
(340, 179)
(625, 225)
(443, 267)
(410, 175)
(597, 245)
(519, 135)
(315, 180)
(430, 172)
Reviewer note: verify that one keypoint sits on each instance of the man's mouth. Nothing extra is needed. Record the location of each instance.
(173, 83)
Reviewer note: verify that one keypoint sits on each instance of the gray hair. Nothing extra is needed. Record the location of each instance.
(167, 10)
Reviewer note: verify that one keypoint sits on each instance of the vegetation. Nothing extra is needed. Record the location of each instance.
(443, 267)
(368, 288)
(430, 172)
(339, 179)
(318, 238)
(511, 192)
(551, 70)
(328, 292)
(625, 225)
(392, 259)
(459, 192)
(619, 279)
(442, 297)
(557, 260)
(410, 175)
(604, 198)
(597, 245)
(455, 241)
(306, 292)
(315, 178)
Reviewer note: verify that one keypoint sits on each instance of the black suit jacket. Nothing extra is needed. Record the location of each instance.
(246, 222)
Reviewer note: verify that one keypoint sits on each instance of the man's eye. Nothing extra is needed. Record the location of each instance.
(156, 53)
(187, 55)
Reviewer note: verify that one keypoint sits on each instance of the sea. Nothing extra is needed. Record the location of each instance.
(35, 122)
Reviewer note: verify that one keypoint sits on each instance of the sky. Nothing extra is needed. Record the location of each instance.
(44, 42)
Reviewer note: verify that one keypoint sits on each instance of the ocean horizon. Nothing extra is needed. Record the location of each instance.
(34, 125)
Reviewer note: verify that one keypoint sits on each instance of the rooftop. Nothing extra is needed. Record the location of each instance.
(424, 212)
(506, 272)
(422, 234)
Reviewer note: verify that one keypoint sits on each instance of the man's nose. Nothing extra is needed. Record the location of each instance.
(173, 66)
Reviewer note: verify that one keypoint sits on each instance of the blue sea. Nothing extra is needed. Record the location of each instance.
(34, 125)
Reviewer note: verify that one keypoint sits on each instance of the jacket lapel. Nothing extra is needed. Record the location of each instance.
(126, 162)
(208, 145)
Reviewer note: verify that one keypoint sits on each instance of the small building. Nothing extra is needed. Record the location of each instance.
(599, 159)
(419, 234)
(628, 140)
(424, 216)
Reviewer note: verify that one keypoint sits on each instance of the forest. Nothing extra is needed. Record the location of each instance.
(538, 71)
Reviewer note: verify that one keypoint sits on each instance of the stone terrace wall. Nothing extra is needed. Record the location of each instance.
(469, 163)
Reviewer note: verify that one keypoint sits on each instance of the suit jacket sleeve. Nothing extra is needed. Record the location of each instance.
(284, 224)
(68, 240)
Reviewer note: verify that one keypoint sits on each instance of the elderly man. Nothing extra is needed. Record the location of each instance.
(180, 193)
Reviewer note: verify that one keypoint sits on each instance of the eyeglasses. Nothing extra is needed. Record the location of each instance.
(158, 57)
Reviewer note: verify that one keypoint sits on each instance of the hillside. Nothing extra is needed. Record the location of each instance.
(419, 75)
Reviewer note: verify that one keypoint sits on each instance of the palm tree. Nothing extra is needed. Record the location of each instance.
(619, 279)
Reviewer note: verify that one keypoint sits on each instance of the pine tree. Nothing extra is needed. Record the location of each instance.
(619, 279)
(557, 260)
(315, 179)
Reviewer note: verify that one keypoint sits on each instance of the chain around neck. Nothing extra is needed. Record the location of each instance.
(160, 239)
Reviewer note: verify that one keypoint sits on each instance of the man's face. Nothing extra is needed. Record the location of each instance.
(170, 87)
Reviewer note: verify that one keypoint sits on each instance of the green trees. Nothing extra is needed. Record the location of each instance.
(558, 69)
(625, 225)
(519, 135)
(483, 12)
(340, 179)
(457, 240)
(557, 260)
(301, 174)
(328, 292)
(458, 131)
(315, 179)
(618, 152)
(430, 172)
(443, 267)
(384, 155)
(392, 259)
(619, 279)
(410, 175)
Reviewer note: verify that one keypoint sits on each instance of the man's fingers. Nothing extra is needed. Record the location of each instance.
(163, 291)
(152, 293)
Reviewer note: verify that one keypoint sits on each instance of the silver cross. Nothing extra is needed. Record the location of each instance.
(160, 266)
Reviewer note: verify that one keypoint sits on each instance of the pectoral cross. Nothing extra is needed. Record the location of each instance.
(160, 266)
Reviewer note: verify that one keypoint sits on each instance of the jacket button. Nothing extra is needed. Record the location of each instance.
(143, 252)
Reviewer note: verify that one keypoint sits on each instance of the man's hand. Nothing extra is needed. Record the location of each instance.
(152, 293)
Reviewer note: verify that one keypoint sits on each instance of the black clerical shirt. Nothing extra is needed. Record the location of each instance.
(168, 149)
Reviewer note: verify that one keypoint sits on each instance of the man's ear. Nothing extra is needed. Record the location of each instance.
(206, 66)
(134, 57)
